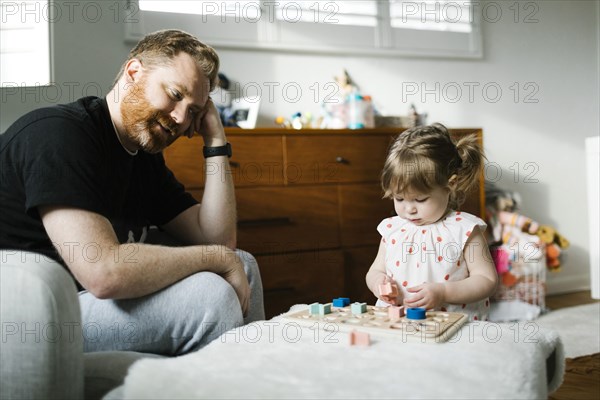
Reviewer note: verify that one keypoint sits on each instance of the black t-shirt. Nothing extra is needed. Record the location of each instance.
(70, 155)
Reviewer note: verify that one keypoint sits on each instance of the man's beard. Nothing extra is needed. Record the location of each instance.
(142, 122)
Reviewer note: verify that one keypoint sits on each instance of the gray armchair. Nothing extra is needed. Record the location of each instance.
(41, 351)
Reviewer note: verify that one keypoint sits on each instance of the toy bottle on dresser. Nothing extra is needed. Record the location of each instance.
(369, 112)
(356, 115)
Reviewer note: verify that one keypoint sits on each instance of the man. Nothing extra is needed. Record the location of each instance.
(81, 183)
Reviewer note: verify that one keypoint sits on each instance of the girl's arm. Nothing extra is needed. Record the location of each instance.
(482, 279)
(480, 283)
(377, 276)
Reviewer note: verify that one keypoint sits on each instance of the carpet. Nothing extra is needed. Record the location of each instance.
(578, 327)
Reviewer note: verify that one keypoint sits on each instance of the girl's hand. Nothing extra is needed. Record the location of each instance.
(427, 295)
(390, 299)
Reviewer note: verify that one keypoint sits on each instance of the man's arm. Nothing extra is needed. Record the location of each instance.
(91, 250)
(214, 220)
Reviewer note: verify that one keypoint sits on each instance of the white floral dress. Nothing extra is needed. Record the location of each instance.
(431, 253)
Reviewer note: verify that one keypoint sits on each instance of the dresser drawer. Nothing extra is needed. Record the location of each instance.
(255, 161)
(361, 210)
(335, 158)
(357, 262)
(297, 278)
(272, 220)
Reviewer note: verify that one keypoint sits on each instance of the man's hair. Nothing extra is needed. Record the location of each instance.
(159, 48)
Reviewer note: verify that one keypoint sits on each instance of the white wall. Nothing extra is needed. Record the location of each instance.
(558, 56)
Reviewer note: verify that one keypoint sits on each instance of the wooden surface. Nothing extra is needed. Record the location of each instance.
(582, 379)
(556, 302)
(582, 374)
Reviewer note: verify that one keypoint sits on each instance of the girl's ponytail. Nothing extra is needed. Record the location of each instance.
(469, 170)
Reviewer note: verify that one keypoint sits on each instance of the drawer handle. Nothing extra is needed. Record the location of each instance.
(341, 160)
(247, 223)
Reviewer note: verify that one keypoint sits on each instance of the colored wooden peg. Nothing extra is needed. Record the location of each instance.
(417, 313)
(395, 312)
(359, 338)
(358, 308)
(319, 309)
(314, 309)
(388, 289)
(324, 309)
(341, 302)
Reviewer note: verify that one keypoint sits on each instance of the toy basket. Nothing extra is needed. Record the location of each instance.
(527, 282)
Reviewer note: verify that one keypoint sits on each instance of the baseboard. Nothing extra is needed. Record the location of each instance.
(567, 283)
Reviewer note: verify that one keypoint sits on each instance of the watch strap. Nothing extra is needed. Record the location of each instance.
(224, 150)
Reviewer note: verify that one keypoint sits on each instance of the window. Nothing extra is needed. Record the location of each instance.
(25, 43)
(442, 28)
(446, 15)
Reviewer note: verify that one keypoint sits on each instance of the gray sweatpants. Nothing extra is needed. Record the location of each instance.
(176, 320)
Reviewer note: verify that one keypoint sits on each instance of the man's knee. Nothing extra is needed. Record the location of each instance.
(213, 307)
(212, 293)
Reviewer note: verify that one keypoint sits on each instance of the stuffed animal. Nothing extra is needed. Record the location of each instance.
(522, 245)
(500, 256)
(345, 84)
(518, 232)
(554, 244)
(522, 222)
(550, 235)
(552, 257)
(525, 236)
(497, 200)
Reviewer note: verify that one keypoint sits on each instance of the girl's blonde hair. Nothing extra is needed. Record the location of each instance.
(425, 157)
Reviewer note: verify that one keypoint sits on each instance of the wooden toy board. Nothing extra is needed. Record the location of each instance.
(437, 327)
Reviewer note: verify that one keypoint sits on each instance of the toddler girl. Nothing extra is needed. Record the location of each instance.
(435, 256)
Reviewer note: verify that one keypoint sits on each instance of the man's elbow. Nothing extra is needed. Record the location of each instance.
(103, 285)
(103, 291)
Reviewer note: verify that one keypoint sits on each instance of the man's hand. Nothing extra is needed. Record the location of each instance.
(427, 295)
(208, 124)
(235, 275)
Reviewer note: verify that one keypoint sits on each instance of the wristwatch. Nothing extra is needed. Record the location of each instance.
(217, 151)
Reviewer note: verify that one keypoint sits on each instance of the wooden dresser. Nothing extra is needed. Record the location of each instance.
(308, 205)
